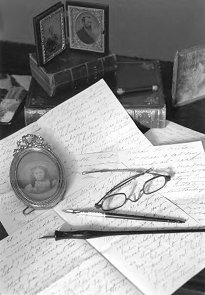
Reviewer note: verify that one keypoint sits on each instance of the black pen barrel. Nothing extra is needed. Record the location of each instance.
(143, 217)
(90, 234)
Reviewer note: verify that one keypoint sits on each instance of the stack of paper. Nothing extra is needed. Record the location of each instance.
(92, 130)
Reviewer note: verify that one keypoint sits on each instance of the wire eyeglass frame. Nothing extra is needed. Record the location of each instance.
(110, 194)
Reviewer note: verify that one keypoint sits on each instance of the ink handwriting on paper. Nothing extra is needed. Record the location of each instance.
(186, 161)
(173, 133)
(29, 264)
(137, 254)
(172, 258)
(96, 122)
(93, 276)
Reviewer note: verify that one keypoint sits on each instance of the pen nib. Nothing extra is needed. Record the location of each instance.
(70, 211)
(47, 237)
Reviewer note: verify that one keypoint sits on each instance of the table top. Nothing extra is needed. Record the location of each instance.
(191, 116)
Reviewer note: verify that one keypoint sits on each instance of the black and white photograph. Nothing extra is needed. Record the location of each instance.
(102, 163)
(37, 175)
(87, 26)
(49, 30)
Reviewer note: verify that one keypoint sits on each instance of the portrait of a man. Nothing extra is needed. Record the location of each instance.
(87, 28)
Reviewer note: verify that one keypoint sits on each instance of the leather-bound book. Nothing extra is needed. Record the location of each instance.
(72, 70)
(139, 88)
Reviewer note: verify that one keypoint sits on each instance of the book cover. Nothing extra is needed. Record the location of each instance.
(72, 70)
(188, 83)
(147, 108)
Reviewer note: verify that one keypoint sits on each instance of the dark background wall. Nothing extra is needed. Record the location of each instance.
(143, 28)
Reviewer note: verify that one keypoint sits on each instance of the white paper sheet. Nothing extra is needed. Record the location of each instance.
(94, 121)
(173, 133)
(23, 80)
(171, 257)
(28, 265)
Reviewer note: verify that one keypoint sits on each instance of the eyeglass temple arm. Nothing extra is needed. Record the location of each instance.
(141, 171)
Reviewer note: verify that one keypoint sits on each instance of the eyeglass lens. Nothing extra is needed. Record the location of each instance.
(154, 184)
(114, 201)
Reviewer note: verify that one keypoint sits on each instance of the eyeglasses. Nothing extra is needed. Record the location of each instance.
(111, 200)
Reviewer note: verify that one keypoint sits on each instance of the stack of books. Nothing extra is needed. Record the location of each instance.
(67, 74)
(136, 83)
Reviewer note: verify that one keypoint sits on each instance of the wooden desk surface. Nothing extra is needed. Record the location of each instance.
(15, 61)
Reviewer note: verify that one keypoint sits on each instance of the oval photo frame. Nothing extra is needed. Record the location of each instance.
(38, 178)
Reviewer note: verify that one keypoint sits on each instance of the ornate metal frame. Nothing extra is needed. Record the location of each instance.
(33, 152)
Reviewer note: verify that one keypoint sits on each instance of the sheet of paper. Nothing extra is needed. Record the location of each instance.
(170, 257)
(93, 276)
(167, 255)
(96, 121)
(92, 121)
(173, 259)
(173, 133)
(23, 80)
(185, 163)
(28, 265)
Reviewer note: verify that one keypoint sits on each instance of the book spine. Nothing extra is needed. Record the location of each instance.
(86, 73)
(150, 118)
(174, 80)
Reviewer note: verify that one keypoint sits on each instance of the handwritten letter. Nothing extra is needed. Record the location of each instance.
(173, 133)
(93, 121)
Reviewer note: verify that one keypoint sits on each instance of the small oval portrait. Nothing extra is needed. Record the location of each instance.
(87, 28)
(37, 175)
(38, 178)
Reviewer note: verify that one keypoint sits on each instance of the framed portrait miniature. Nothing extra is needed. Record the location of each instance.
(36, 173)
(49, 33)
(87, 26)
(188, 84)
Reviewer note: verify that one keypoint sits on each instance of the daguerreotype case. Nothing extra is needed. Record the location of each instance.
(49, 31)
(37, 174)
(83, 25)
